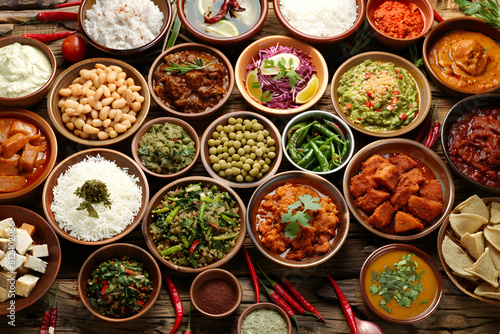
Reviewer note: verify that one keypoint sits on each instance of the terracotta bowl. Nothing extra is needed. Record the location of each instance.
(162, 120)
(252, 51)
(214, 40)
(191, 47)
(122, 161)
(163, 5)
(156, 200)
(215, 274)
(223, 120)
(38, 95)
(465, 23)
(119, 250)
(66, 78)
(460, 109)
(32, 187)
(416, 151)
(413, 250)
(323, 39)
(424, 90)
(322, 186)
(43, 235)
(267, 306)
(426, 12)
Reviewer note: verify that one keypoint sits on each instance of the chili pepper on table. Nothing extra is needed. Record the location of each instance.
(345, 307)
(49, 318)
(437, 17)
(422, 130)
(298, 296)
(176, 299)
(433, 135)
(54, 16)
(188, 329)
(50, 37)
(44, 328)
(251, 269)
(68, 4)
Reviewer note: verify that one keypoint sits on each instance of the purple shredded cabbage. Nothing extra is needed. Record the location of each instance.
(283, 95)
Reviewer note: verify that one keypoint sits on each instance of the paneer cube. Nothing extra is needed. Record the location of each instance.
(35, 263)
(25, 284)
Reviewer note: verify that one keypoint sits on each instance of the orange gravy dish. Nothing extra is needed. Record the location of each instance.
(466, 60)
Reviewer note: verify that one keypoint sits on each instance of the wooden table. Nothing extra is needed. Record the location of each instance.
(457, 312)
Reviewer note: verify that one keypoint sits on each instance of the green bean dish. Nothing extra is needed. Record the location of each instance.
(195, 225)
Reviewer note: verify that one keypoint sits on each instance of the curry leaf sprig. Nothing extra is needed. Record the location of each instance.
(487, 10)
(184, 68)
(307, 202)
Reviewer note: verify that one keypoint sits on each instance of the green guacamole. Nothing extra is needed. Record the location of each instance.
(379, 96)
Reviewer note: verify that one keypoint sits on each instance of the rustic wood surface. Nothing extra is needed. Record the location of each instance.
(457, 313)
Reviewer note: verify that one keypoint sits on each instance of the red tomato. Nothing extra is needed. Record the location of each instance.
(73, 48)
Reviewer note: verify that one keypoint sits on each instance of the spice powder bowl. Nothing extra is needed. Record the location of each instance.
(215, 274)
(267, 306)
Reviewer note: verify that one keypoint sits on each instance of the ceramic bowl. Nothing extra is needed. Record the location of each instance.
(222, 40)
(424, 91)
(157, 199)
(266, 306)
(214, 274)
(252, 51)
(109, 252)
(322, 186)
(191, 47)
(31, 188)
(162, 120)
(223, 120)
(35, 97)
(417, 151)
(66, 78)
(334, 39)
(427, 14)
(122, 161)
(43, 235)
(163, 5)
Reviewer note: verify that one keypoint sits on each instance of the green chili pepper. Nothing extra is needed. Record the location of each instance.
(226, 236)
(294, 127)
(206, 199)
(171, 250)
(201, 213)
(185, 241)
(227, 219)
(306, 159)
(317, 169)
(162, 210)
(216, 201)
(335, 128)
(335, 157)
(323, 162)
(345, 148)
(230, 214)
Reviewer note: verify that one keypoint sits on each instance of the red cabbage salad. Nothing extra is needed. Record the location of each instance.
(282, 72)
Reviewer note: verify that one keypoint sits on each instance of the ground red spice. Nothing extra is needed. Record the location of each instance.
(399, 19)
(216, 296)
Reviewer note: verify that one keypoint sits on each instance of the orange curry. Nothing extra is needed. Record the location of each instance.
(398, 19)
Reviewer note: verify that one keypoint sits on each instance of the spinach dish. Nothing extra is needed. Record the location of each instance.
(195, 225)
(119, 288)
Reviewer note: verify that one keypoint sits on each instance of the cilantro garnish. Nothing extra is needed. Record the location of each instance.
(299, 217)
(266, 96)
(186, 67)
(487, 10)
(292, 76)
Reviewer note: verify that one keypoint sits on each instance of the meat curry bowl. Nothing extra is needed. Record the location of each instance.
(297, 219)
(398, 189)
(191, 80)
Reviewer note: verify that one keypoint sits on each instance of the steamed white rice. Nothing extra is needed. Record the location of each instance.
(123, 24)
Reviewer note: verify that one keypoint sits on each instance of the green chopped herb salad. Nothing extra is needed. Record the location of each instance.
(119, 288)
(195, 225)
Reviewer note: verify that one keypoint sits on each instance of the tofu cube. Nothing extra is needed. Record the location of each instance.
(39, 250)
(4, 294)
(35, 263)
(23, 241)
(4, 244)
(5, 225)
(29, 228)
(25, 285)
(5, 277)
(18, 262)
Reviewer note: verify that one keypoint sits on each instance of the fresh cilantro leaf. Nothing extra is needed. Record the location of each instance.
(487, 10)
(310, 203)
(302, 218)
(291, 230)
(268, 63)
(295, 205)
(423, 302)
(299, 218)
(266, 96)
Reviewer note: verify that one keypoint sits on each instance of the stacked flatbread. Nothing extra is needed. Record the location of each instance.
(477, 257)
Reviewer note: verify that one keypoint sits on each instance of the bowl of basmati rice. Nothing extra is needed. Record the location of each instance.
(124, 27)
(82, 219)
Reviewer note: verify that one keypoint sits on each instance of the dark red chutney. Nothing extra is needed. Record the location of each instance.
(216, 296)
(474, 145)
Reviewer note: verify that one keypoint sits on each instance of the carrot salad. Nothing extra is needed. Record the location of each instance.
(399, 19)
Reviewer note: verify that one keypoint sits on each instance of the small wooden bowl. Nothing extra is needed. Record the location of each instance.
(157, 198)
(65, 79)
(162, 120)
(268, 306)
(222, 120)
(122, 161)
(215, 274)
(335, 39)
(117, 251)
(164, 7)
(43, 235)
(31, 99)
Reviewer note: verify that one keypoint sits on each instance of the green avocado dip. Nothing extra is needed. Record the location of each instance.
(379, 96)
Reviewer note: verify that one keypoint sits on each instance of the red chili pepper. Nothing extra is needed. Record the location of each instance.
(193, 246)
(437, 17)
(44, 328)
(433, 135)
(50, 37)
(188, 329)
(56, 16)
(49, 318)
(345, 307)
(213, 225)
(53, 313)
(308, 306)
(422, 130)
(220, 15)
(176, 299)
(68, 4)
(251, 269)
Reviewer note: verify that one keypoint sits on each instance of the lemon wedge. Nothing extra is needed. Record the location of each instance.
(249, 16)
(224, 28)
(253, 85)
(205, 5)
(285, 60)
(308, 92)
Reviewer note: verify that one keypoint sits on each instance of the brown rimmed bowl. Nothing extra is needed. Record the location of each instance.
(122, 161)
(324, 188)
(424, 91)
(215, 274)
(119, 250)
(162, 120)
(395, 247)
(191, 47)
(158, 197)
(267, 306)
(417, 151)
(43, 235)
(223, 120)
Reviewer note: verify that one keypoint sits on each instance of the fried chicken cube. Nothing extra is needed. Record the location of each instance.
(382, 215)
(403, 191)
(387, 175)
(424, 208)
(372, 199)
(414, 175)
(362, 182)
(373, 162)
(431, 189)
(404, 222)
(403, 162)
